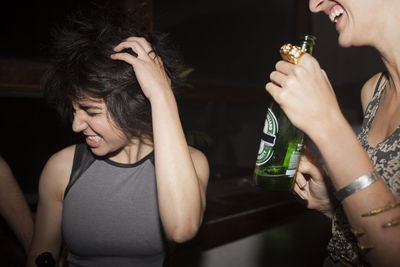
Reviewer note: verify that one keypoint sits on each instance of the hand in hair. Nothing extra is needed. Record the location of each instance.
(147, 65)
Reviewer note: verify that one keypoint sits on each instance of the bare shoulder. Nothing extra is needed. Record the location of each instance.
(62, 160)
(56, 172)
(197, 155)
(200, 162)
(368, 89)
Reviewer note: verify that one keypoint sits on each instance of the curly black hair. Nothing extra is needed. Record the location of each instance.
(82, 67)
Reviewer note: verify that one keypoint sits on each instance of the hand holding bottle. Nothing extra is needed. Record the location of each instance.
(305, 94)
(312, 184)
(281, 142)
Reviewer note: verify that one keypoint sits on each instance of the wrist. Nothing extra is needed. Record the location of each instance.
(329, 130)
(164, 94)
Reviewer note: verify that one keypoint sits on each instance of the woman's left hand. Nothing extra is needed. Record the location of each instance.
(304, 93)
(312, 184)
(147, 65)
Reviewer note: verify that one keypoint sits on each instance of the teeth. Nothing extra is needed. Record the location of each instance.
(335, 14)
(95, 138)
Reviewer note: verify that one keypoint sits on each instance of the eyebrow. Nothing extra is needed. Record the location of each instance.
(86, 107)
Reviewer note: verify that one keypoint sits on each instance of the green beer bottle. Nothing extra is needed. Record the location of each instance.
(280, 145)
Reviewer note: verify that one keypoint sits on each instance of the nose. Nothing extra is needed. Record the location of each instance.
(316, 5)
(79, 123)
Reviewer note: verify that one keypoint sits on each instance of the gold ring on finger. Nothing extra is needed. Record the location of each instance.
(291, 53)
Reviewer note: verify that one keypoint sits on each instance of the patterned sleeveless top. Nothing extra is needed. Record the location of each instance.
(385, 157)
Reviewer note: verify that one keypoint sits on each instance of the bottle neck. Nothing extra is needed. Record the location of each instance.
(307, 43)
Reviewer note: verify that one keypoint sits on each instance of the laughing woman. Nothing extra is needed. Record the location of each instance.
(135, 183)
(365, 170)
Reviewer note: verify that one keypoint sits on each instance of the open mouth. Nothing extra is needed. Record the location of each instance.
(94, 138)
(335, 13)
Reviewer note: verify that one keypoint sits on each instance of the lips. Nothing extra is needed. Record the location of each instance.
(93, 140)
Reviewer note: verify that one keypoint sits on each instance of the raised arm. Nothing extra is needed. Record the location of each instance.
(52, 184)
(182, 172)
(13, 206)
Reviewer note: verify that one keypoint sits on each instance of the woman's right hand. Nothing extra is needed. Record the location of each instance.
(312, 184)
(305, 94)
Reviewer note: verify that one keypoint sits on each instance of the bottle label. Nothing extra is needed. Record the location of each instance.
(268, 138)
(293, 160)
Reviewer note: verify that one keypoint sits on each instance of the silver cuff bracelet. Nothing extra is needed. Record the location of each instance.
(357, 185)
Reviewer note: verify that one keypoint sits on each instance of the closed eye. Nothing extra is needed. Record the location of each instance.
(92, 114)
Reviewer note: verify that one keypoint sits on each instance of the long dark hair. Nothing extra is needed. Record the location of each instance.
(82, 67)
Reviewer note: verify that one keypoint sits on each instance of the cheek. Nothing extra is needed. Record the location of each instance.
(100, 126)
(115, 134)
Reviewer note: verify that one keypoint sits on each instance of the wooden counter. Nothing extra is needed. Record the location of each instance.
(236, 208)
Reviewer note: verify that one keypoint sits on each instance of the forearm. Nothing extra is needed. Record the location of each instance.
(181, 198)
(47, 234)
(15, 209)
(343, 154)
(346, 161)
(19, 218)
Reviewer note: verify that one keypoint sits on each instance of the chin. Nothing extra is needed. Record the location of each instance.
(98, 152)
(344, 42)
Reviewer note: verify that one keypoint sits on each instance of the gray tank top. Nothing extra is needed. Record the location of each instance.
(110, 216)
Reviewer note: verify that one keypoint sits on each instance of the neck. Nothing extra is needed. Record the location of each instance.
(137, 149)
(387, 42)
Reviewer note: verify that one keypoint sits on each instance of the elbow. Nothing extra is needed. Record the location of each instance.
(185, 228)
(183, 233)
(182, 237)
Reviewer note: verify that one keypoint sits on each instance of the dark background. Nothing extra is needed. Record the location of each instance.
(232, 46)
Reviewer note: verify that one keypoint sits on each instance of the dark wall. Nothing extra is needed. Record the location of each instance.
(31, 132)
(25, 26)
(224, 40)
(231, 45)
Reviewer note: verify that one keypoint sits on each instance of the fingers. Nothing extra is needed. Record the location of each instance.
(307, 166)
(140, 46)
(278, 78)
(284, 67)
(308, 61)
(142, 41)
(128, 58)
(300, 180)
(300, 191)
(307, 169)
(134, 45)
(138, 43)
(274, 90)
